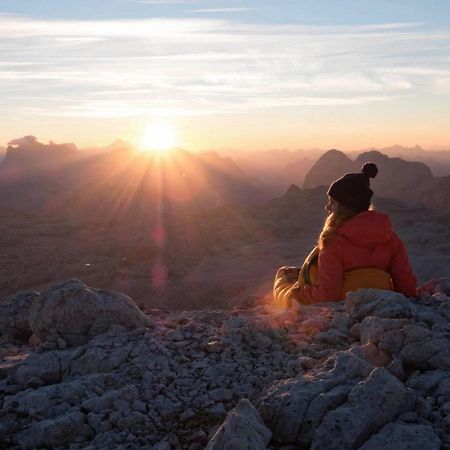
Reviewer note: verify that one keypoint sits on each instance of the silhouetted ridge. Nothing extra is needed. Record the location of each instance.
(330, 166)
(293, 189)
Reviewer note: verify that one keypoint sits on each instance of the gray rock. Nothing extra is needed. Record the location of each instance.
(15, 315)
(101, 403)
(220, 394)
(166, 408)
(397, 436)
(392, 342)
(374, 302)
(186, 415)
(341, 322)
(425, 384)
(242, 429)
(77, 313)
(438, 286)
(98, 360)
(33, 403)
(130, 420)
(317, 409)
(425, 349)
(217, 410)
(162, 445)
(372, 404)
(285, 406)
(444, 309)
(43, 368)
(373, 327)
(180, 387)
(397, 369)
(55, 433)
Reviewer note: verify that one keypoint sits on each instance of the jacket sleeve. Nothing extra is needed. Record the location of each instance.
(330, 278)
(400, 268)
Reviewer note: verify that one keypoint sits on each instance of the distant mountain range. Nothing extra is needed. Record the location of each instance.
(278, 168)
(437, 160)
(410, 182)
(52, 178)
(118, 181)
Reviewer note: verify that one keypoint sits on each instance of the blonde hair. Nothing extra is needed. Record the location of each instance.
(332, 222)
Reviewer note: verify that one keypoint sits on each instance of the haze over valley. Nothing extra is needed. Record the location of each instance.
(186, 230)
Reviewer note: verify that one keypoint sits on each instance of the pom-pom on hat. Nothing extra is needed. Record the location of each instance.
(353, 189)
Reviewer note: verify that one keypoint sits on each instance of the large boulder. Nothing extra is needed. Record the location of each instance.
(243, 429)
(373, 403)
(76, 313)
(15, 315)
(294, 408)
(375, 302)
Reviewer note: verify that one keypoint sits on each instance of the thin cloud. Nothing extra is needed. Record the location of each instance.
(221, 10)
(168, 2)
(197, 66)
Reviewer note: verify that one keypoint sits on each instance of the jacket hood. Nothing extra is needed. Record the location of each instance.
(367, 229)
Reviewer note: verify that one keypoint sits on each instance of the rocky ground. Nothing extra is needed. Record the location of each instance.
(85, 368)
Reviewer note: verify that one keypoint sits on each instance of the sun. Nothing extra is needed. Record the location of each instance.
(158, 137)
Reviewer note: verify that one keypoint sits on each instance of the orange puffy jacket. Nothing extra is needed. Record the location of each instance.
(363, 241)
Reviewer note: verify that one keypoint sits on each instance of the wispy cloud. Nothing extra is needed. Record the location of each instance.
(168, 2)
(220, 10)
(117, 68)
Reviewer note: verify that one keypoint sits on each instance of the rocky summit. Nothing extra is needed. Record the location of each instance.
(83, 368)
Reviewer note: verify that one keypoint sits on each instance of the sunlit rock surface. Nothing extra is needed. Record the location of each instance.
(71, 312)
(369, 372)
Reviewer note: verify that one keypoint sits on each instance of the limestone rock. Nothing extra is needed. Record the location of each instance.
(373, 403)
(289, 406)
(43, 368)
(77, 313)
(54, 433)
(398, 436)
(243, 429)
(424, 349)
(375, 302)
(373, 327)
(15, 315)
(312, 374)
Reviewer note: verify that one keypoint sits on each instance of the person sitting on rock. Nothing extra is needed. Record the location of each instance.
(357, 248)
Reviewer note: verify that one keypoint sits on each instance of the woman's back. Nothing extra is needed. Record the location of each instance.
(356, 248)
(364, 240)
(367, 240)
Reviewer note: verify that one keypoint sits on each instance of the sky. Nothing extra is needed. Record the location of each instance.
(243, 75)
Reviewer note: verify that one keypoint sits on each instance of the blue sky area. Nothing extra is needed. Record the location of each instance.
(334, 12)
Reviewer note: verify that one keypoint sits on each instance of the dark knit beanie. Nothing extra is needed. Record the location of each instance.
(353, 189)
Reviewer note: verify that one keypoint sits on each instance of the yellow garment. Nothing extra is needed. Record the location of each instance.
(355, 279)
(285, 280)
(368, 278)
